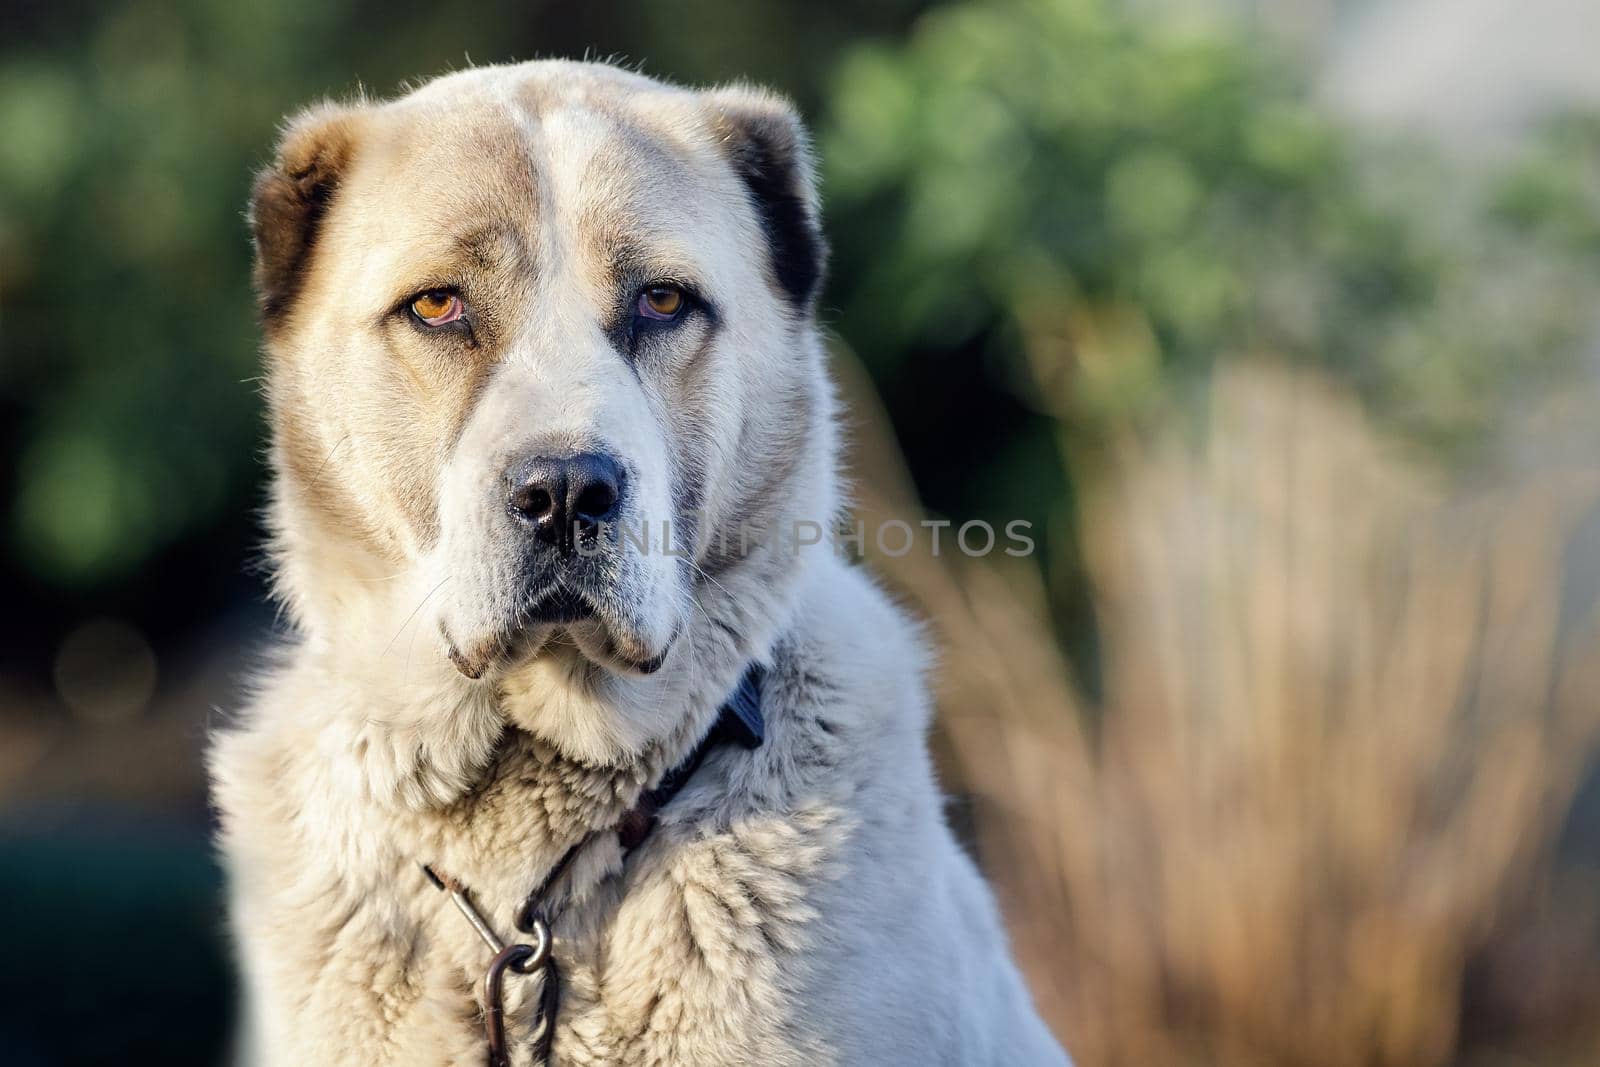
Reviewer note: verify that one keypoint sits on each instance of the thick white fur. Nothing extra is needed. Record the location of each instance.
(800, 904)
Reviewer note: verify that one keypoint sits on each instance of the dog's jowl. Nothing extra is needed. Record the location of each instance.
(527, 783)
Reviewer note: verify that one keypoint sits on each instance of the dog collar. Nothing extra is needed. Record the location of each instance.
(739, 722)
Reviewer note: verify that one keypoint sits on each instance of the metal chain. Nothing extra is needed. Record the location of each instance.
(519, 958)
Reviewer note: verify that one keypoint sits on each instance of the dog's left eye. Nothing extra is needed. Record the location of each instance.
(437, 307)
(661, 303)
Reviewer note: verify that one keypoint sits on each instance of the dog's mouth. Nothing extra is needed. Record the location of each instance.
(560, 605)
(561, 617)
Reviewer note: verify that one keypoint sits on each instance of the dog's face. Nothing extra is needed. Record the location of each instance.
(540, 343)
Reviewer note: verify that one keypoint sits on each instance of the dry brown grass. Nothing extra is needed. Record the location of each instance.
(1342, 716)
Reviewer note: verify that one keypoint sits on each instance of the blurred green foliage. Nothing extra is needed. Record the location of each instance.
(1104, 203)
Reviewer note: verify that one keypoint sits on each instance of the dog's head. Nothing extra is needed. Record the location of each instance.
(542, 354)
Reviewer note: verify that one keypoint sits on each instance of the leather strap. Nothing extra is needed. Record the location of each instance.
(738, 723)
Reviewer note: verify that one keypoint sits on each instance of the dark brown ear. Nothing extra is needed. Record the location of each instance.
(291, 197)
(770, 150)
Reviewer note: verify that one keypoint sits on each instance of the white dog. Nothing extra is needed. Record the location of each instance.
(546, 388)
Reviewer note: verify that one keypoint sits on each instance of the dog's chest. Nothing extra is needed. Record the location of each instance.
(686, 950)
(685, 958)
(701, 923)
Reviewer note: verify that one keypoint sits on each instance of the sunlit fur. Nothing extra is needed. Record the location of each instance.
(803, 903)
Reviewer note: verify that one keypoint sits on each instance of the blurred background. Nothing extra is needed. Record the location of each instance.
(1280, 321)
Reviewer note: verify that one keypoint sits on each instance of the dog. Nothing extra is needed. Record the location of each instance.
(559, 762)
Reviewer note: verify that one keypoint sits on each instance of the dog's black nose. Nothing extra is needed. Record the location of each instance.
(562, 497)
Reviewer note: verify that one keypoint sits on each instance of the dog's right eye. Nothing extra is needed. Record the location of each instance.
(437, 307)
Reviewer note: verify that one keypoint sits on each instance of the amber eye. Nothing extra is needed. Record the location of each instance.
(437, 307)
(661, 302)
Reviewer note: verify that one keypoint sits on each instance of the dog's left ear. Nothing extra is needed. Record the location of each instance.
(771, 151)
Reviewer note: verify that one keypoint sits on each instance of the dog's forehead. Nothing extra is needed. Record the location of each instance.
(603, 149)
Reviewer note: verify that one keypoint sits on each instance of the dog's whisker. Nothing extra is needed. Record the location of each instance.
(317, 477)
(702, 572)
(413, 614)
(389, 577)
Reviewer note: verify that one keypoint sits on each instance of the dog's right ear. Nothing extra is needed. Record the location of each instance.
(290, 198)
